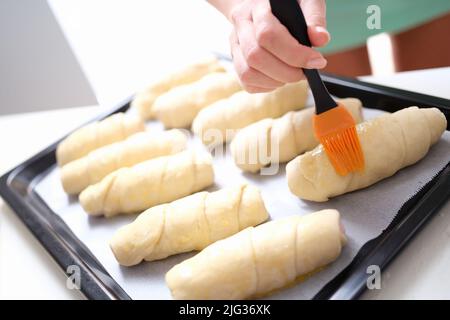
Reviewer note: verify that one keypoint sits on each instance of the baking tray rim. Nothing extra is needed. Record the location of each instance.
(16, 188)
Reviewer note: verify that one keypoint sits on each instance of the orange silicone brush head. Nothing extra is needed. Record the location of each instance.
(335, 129)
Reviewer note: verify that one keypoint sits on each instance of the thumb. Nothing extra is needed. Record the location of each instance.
(315, 16)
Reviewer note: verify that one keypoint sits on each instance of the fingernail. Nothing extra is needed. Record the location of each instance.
(323, 33)
(321, 29)
(316, 63)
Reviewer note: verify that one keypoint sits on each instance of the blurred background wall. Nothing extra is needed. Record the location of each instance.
(38, 69)
(58, 53)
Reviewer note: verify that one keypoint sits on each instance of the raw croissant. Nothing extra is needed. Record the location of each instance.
(390, 143)
(97, 134)
(280, 140)
(187, 224)
(258, 260)
(144, 100)
(218, 122)
(78, 174)
(149, 183)
(179, 106)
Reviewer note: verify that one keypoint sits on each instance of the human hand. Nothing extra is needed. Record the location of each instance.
(265, 54)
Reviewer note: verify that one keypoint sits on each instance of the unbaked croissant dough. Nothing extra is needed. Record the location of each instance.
(389, 142)
(90, 169)
(97, 134)
(144, 100)
(280, 140)
(149, 183)
(187, 224)
(258, 260)
(218, 122)
(179, 106)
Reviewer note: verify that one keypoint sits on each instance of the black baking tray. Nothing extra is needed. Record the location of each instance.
(17, 189)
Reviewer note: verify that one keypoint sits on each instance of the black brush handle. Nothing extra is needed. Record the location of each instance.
(291, 16)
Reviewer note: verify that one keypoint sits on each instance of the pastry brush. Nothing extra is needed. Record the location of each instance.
(333, 125)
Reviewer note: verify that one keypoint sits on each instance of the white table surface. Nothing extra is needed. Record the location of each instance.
(121, 45)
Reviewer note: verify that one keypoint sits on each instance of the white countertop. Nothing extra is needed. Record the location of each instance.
(120, 49)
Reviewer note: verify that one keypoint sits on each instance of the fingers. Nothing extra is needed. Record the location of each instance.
(261, 59)
(252, 89)
(275, 38)
(252, 80)
(314, 12)
(265, 54)
(315, 16)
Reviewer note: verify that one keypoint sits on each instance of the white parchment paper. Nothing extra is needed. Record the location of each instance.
(365, 213)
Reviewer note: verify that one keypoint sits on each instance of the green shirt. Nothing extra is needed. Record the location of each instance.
(347, 19)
